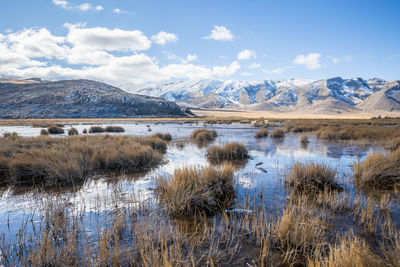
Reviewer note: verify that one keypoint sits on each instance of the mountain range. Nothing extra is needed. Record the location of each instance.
(35, 98)
(325, 96)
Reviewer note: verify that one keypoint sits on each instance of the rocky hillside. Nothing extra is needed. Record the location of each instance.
(34, 98)
(333, 95)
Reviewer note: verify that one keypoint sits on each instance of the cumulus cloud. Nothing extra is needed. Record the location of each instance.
(220, 33)
(87, 53)
(254, 65)
(99, 8)
(246, 54)
(82, 7)
(61, 3)
(311, 61)
(107, 39)
(162, 38)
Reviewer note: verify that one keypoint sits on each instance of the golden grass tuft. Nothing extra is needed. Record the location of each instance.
(166, 137)
(378, 171)
(262, 133)
(96, 129)
(44, 132)
(229, 152)
(70, 160)
(370, 133)
(114, 129)
(195, 191)
(277, 133)
(304, 139)
(203, 136)
(54, 129)
(73, 131)
(312, 177)
(84, 131)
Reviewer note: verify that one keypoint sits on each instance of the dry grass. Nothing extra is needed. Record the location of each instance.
(304, 139)
(378, 171)
(53, 129)
(195, 191)
(44, 132)
(166, 137)
(96, 129)
(262, 133)
(73, 131)
(68, 161)
(229, 152)
(84, 131)
(312, 178)
(203, 136)
(277, 133)
(114, 129)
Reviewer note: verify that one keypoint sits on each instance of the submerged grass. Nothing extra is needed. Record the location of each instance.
(277, 133)
(203, 136)
(54, 129)
(70, 160)
(196, 191)
(166, 137)
(262, 133)
(229, 152)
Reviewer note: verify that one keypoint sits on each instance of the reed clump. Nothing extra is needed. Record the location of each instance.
(229, 152)
(195, 191)
(68, 161)
(277, 133)
(96, 129)
(366, 133)
(378, 171)
(73, 131)
(312, 178)
(54, 129)
(114, 129)
(166, 136)
(262, 133)
(203, 136)
(304, 139)
(44, 132)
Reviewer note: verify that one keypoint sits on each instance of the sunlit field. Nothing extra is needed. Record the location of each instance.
(203, 192)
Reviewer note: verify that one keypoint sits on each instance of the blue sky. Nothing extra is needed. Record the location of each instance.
(144, 41)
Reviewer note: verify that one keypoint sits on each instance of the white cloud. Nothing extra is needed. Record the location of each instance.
(99, 8)
(121, 11)
(335, 60)
(85, 53)
(220, 33)
(107, 39)
(348, 58)
(61, 3)
(247, 74)
(254, 65)
(84, 7)
(311, 61)
(191, 57)
(274, 71)
(246, 54)
(162, 38)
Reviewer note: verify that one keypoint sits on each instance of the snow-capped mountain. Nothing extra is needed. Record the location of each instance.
(327, 95)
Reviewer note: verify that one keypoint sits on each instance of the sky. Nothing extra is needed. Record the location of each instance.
(144, 41)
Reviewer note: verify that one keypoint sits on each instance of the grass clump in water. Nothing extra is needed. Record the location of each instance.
(44, 132)
(229, 152)
(312, 178)
(378, 171)
(262, 133)
(54, 129)
(114, 129)
(73, 131)
(68, 161)
(277, 133)
(196, 191)
(203, 136)
(96, 129)
(304, 139)
(166, 137)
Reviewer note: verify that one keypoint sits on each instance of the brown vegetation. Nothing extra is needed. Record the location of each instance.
(96, 129)
(262, 133)
(68, 161)
(196, 191)
(312, 178)
(54, 129)
(378, 171)
(229, 152)
(73, 131)
(277, 133)
(203, 136)
(44, 132)
(114, 129)
(371, 133)
(304, 139)
(166, 137)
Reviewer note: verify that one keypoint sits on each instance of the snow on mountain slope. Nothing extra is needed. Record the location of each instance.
(292, 94)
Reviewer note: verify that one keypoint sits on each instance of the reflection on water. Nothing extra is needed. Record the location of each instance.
(270, 158)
